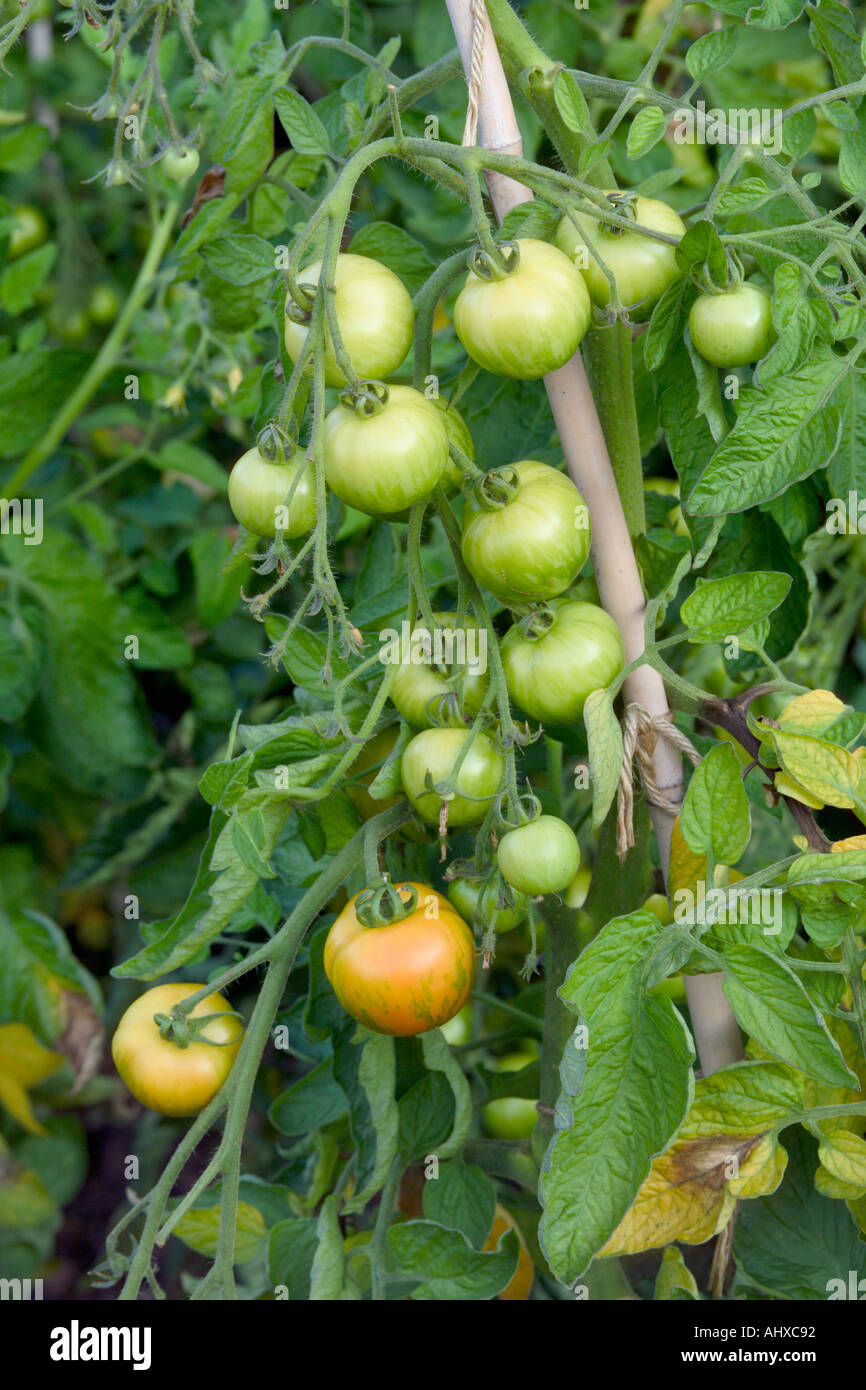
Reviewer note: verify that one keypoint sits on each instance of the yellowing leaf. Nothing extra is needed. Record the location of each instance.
(830, 1186)
(762, 1171)
(813, 713)
(686, 868)
(786, 786)
(674, 1274)
(852, 842)
(826, 771)
(200, 1231)
(691, 1189)
(24, 1063)
(843, 1154)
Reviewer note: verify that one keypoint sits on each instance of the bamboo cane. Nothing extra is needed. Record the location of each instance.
(717, 1036)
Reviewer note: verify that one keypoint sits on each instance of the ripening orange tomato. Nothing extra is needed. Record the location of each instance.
(405, 977)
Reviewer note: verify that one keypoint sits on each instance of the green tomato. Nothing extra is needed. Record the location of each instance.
(542, 856)
(459, 1028)
(464, 894)
(258, 491)
(383, 463)
(103, 305)
(511, 1117)
(734, 328)
(374, 313)
(29, 230)
(436, 751)
(641, 267)
(529, 322)
(535, 545)
(577, 890)
(669, 487)
(658, 904)
(550, 675)
(430, 665)
(179, 163)
(69, 324)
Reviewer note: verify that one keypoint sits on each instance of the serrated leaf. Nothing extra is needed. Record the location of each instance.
(715, 814)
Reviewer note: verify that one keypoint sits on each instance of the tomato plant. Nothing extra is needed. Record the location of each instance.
(430, 762)
(437, 663)
(526, 534)
(642, 266)
(373, 311)
(389, 459)
(525, 318)
(477, 904)
(404, 976)
(559, 656)
(735, 328)
(541, 856)
(175, 1075)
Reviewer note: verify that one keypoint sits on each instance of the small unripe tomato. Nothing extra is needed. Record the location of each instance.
(258, 491)
(405, 977)
(510, 1117)
(428, 671)
(658, 904)
(733, 329)
(69, 324)
(385, 462)
(179, 163)
(458, 1029)
(550, 675)
(577, 890)
(520, 1285)
(535, 545)
(542, 856)
(669, 487)
(464, 895)
(29, 230)
(167, 1078)
(642, 268)
(531, 320)
(374, 313)
(436, 751)
(103, 305)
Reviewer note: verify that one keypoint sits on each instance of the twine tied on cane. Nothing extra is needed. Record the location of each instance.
(479, 23)
(640, 732)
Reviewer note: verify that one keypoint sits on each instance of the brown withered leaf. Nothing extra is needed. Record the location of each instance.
(82, 1037)
(211, 185)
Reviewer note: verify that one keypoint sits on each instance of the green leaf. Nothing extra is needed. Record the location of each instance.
(199, 1229)
(833, 31)
(23, 147)
(701, 246)
(241, 259)
(33, 387)
(427, 1115)
(711, 52)
(772, 1006)
(366, 1070)
(622, 1109)
(645, 131)
(719, 608)
(177, 456)
(312, 1102)
(715, 814)
(446, 1266)
(292, 1246)
(461, 1198)
(797, 1244)
(604, 737)
(439, 1059)
(782, 434)
(301, 123)
(569, 102)
(397, 250)
(667, 321)
(22, 279)
(327, 1271)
